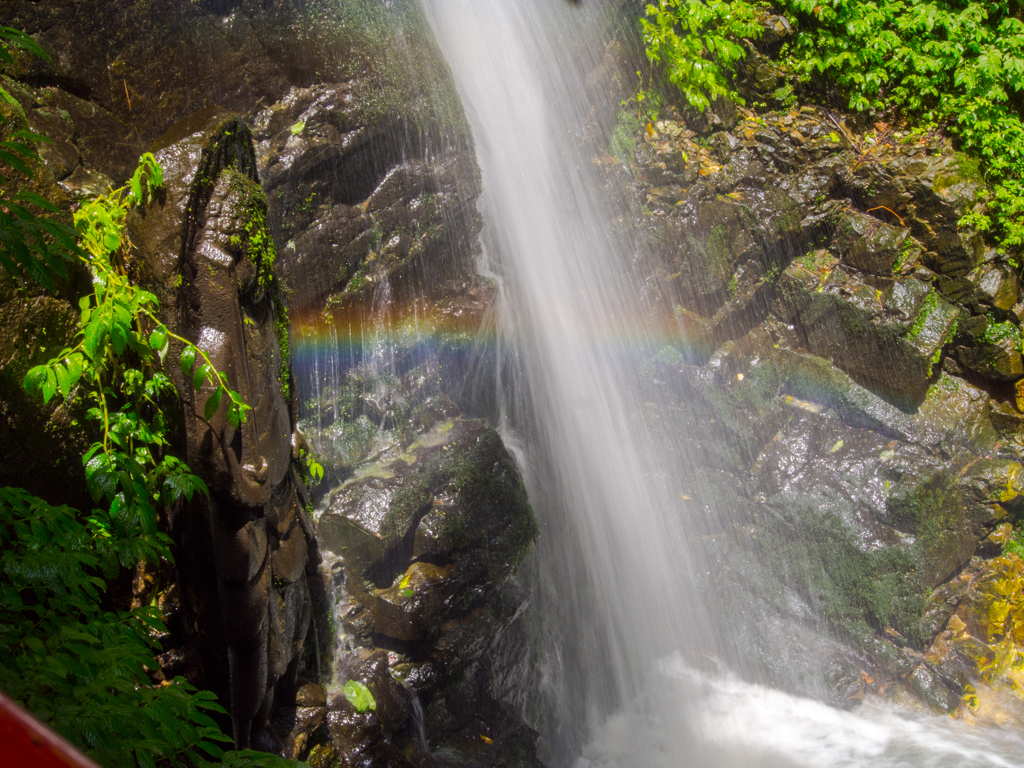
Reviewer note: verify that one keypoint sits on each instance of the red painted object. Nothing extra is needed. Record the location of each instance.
(27, 743)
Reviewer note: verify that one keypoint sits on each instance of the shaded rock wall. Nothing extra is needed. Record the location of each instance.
(37, 442)
(358, 174)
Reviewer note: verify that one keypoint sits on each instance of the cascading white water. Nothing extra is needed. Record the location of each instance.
(616, 588)
(573, 308)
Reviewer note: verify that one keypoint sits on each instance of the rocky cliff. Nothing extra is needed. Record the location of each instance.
(844, 362)
(312, 153)
(848, 377)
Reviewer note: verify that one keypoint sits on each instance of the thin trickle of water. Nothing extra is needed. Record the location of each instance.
(418, 720)
(617, 592)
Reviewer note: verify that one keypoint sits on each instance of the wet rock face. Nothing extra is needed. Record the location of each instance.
(828, 508)
(128, 69)
(855, 324)
(243, 552)
(739, 217)
(427, 537)
(845, 398)
(370, 182)
(453, 495)
(354, 208)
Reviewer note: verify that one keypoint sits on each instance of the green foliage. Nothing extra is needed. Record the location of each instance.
(33, 246)
(15, 38)
(359, 696)
(314, 470)
(954, 63)
(1015, 546)
(998, 333)
(698, 43)
(77, 667)
(913, 54)
(946, 61)
(120, 318)
(82, 669)
(115, 365)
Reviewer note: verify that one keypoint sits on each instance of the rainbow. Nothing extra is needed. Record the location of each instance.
(466, 325)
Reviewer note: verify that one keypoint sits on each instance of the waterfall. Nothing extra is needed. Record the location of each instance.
(614, 559)
(619, 592)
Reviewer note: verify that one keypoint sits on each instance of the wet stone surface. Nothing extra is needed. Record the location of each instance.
(847, 384)
(425, 534)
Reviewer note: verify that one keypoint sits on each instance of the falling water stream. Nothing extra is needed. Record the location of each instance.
(617, 589)
(611, 572)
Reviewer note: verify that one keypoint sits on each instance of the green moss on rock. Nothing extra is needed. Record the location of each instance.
(933, 510)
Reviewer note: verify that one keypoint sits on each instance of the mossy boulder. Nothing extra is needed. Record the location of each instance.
(427, 538)
(996, 285)
(991, 349)
(855, 509)
(930, 506)
(930, 189)
(943, 189)
(870, 245)
(856, 324)
(708, 239)
(990, 486)
(392, 704)
(452, 498)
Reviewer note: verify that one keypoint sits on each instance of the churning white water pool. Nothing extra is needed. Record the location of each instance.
(689, 718)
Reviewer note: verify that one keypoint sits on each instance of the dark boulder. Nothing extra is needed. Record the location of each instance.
(243, 552)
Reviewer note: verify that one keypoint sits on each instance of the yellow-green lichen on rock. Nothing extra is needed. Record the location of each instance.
(985, 635)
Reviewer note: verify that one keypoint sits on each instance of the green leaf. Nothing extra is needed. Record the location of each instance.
(236, 410)
(359, 696)
(188, 359)
(21, 40)
(35, 199)
(212, 403)
(94, 336)
(158, 338)
(234, 415)
(64, 382)
(49, 385)
(199, 377)
(136, 186)
(75, 369)
(34, 379)
(118, 337)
